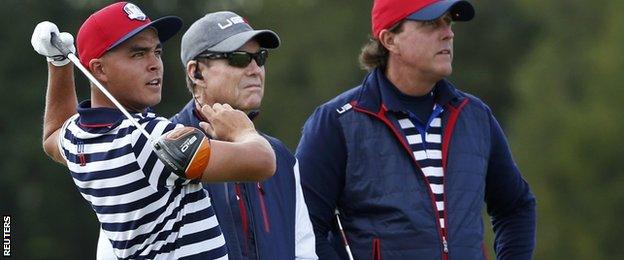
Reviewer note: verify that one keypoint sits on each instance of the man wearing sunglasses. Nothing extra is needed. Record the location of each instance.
(145, 208)
(224, 59)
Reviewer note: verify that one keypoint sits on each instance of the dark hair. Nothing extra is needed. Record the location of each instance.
(374, 54)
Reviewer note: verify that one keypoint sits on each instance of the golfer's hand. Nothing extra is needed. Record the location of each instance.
(40, 41)
(226, 124)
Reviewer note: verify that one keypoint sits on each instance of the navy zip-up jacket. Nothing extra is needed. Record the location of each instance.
(353, 157)
(257, 219)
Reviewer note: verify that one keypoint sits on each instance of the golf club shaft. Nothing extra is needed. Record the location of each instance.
(56, 42)
(343, 235)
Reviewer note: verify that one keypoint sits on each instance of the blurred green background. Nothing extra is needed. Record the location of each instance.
(551, 71)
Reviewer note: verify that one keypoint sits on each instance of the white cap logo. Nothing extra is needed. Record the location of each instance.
(134, 13)
(231, 21)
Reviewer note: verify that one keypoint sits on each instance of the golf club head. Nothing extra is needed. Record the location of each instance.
(185, 151)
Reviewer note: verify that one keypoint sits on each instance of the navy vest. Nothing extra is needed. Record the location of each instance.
(407, 227)
(257, 219)
(386, 206)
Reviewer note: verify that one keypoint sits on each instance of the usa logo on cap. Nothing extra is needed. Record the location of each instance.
(116, 23)
(387, 13)
(134, 12)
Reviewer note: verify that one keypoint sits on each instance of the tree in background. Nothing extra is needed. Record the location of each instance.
(567, 127)
(550, 70)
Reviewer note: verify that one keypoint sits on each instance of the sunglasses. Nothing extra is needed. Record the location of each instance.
(239, 59)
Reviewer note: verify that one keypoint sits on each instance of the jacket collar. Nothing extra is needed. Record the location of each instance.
(188, 116)
(376, 90)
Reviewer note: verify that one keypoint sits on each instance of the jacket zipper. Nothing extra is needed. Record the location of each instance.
(243, 213)
(376, 249)
(381, 115)
(446, 135)
(265, 217)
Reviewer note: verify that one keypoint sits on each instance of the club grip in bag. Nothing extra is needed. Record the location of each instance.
(185, 151)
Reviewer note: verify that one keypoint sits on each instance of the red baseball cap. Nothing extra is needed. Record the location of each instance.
(116, 23)
(387, 13)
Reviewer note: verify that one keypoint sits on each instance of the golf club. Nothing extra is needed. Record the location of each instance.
(343, 235)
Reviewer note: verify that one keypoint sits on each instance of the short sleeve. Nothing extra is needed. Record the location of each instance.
(61, 136)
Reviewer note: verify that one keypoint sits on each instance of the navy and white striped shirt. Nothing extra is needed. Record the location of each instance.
(145, 210)
(428, 153)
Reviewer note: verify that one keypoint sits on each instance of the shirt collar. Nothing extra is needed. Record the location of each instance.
(100, 116)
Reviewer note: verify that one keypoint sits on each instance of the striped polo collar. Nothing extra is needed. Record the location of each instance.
(100, 116)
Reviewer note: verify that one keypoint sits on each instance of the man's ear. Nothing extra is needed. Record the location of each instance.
(387, 39)
(96, 67)
(194, 73)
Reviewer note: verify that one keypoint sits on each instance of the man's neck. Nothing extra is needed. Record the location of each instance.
(409, 81)
(98, 99)
(252, 114)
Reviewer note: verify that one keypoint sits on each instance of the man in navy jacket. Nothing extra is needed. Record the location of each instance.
(406, 159)
(224, 60)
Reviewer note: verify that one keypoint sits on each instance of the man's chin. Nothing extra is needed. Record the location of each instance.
(445, 71)
(252, 107)
(154, 102)
(249, 107)
(250, 103)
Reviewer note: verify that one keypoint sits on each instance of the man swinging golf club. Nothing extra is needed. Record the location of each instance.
(146, 207)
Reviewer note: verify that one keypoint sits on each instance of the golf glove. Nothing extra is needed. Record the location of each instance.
(40, 41)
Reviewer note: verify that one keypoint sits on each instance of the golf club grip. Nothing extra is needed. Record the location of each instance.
(58, 44)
